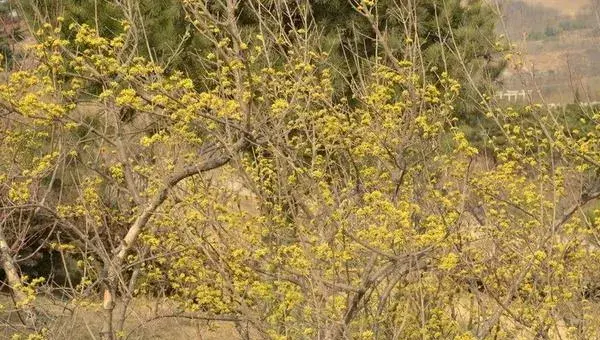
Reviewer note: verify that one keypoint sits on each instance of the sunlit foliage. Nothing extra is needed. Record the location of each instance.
(266, 198)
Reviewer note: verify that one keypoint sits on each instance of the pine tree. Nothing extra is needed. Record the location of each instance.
(444, 30)
(10, 32)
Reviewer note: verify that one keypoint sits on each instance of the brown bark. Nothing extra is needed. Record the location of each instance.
(27, 312)
(108, 306)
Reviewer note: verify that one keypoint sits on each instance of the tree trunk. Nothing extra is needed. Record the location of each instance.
(127, 298)
(111, 272)
(27, 312)
(108, 305)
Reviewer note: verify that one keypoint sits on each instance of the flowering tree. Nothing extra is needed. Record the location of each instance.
(269, 199)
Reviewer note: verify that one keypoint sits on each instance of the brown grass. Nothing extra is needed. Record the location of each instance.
(146, 319)
(569, 7)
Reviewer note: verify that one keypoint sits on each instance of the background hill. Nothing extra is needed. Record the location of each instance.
(560, 45)
(570, 7)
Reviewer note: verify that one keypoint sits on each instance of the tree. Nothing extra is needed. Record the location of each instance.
(455, 37)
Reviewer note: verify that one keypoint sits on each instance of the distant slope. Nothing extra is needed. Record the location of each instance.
(560, 40)
(568, 7)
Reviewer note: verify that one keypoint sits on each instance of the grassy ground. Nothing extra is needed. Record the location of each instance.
(145, 320)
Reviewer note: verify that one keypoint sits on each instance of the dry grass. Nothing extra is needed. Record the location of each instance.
(569, 7)
(146, 319)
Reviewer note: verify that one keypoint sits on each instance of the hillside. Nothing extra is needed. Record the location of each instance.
(559, 43)
(569, 7)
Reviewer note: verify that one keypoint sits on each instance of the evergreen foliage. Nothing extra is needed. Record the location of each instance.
(451, 36)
